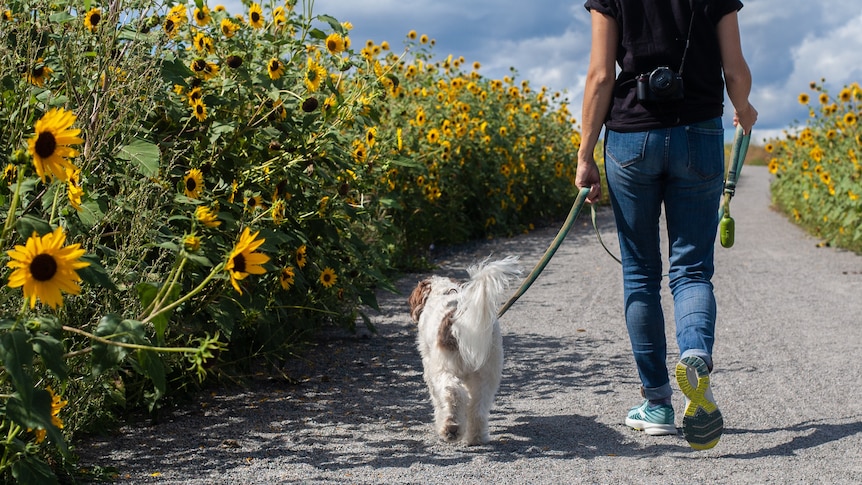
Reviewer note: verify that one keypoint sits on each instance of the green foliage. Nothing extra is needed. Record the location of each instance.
(817, 170)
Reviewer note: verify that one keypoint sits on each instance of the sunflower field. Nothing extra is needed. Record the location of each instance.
(190, 192)
(818, 176)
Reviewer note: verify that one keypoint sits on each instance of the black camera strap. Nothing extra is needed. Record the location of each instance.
(692, 3)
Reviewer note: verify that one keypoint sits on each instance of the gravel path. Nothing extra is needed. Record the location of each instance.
(787, 379)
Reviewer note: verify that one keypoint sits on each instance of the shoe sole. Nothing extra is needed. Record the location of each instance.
(702, 422)
(651, 429)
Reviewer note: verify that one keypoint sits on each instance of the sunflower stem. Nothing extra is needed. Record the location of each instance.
(96, 338)
(153, 306)
(187, 296)
(13, 206)
(165, 291)
(54, 206)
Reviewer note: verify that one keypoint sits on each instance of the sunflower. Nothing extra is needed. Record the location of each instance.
(50, 145)
(850, 119)
(328, 277)
(803, 98)
(278, 211)
(171, 27)
(255, 16)
(203, 69)
(314, 75)
(335, 43)
(193, 183)
(228, 28)
(823, 98)
(207, 216)
(371, 136)
(411, 35)
(92, 19)
(360, 153)
(195, 95)
(10, 173)
(301, 256)
(39, 74)
(275, 68)
(287, 277)
(433, 135)
(199, 109)
(243, 261)
(44, 267)
(203, 43)
(191, 242)
(254, 202)
(57, 403)
(202, 16)
(278, 17)
(73, 188)
(7, 15)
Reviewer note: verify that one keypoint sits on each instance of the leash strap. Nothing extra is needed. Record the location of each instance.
(737, 158)
(549, 253)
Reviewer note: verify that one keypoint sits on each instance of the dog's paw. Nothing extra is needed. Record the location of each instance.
(476, 440)
(450, 430)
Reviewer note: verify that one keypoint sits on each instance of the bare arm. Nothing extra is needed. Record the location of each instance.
(737, 75)
(597, 99)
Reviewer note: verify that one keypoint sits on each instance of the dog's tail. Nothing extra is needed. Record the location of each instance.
(477, 308)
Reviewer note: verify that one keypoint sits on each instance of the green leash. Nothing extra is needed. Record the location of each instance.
(726, 225)
(549, 253)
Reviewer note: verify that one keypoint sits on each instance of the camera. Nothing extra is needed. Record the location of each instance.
(662, 84)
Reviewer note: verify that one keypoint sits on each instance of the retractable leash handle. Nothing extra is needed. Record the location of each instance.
(549, 253)
(726, 225)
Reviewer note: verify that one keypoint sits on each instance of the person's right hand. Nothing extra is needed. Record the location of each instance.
(745, 117)
(587, 175)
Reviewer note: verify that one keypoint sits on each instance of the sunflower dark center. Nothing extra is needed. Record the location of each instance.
(255, 17)
(191, 185)
(274, 65)
(95, 18)
(199, 65)
(38, 71)
(43, 267)
(45, 144)
(239, 263)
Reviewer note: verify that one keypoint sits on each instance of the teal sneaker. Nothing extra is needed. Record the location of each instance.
(652, 420)
(702, 423)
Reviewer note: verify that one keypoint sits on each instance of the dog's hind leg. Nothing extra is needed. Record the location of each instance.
(482, 387)
(450, 413)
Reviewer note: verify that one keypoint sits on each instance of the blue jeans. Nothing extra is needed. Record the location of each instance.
(683, 168)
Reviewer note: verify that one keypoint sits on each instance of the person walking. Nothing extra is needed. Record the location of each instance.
(664, 146)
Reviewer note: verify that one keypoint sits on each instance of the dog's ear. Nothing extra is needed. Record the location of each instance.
(417, 299)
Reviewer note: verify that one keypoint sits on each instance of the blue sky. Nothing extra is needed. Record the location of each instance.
(788, 43)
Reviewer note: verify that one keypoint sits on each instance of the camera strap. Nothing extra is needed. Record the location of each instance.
(692, 3)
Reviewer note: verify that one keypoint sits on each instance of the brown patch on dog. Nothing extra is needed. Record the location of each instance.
(445, 339)
(417, 299)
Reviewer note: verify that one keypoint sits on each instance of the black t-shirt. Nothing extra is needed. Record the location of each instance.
(653, 34)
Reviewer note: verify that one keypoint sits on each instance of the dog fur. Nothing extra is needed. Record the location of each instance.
(462, 347)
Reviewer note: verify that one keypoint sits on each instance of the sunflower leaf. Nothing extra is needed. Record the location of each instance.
(16, 354)
(27, 225)
(95, 274)
(145, 155)
(152, 366)
(51, 350)
(111, 327)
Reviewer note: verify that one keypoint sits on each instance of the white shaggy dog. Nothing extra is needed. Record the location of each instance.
(461, 346)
